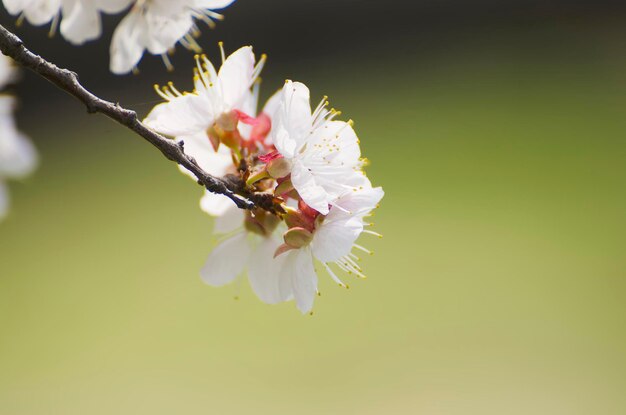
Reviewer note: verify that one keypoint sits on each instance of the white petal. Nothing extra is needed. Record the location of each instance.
(25, 159)
(360, 202)
(14, 6)
(335, 238)
(18, 156)
(214, 204)
(39, 12)
(340, 229)
(164, 30)
(236, 77)
(264, 273)
(215, 163)
(113, 6)
(313, 194)
(298, 268)
(231, 219)
(346, 151)
(81, 22)
(273, 104)
(285, 145)
(8, 70)
(226, 261)
(249, 104)
(294, 114)
(249, 107)
(126, 46)
(183, 115)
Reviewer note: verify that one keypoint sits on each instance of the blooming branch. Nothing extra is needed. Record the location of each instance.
(294, 171)
(229, 186)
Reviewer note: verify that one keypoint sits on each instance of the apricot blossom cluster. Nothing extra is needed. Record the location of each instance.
(308, 160)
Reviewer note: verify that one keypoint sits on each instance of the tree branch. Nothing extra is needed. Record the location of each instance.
(12, 46)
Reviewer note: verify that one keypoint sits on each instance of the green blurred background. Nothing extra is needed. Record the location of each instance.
(498, 134)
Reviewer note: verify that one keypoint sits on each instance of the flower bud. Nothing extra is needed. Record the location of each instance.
(298, 237)
(284, 187)
(268, 220)
(279, 167)
(214, 137)
(254, 226)
(261, 222)
(231, 139)
(295, 219)
(228, 121)
(282, 249)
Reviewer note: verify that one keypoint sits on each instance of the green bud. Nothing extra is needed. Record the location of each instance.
(279, 168)
(298, 237)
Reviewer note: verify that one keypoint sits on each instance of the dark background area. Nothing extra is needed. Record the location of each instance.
(332, 34)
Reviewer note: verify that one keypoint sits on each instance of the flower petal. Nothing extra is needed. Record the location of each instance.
(8, 70)
(345, 150)
(214, 204)
(182, 115)
(113, 6)
(264, 273)
(217, 163)
(18, 156)
(293, 116)
(230, 219)
(334, 239)
(273, 104)
(37, 12)
(236, 77)
(341, 228)
(165, 26)
(358, 202)
(226, 261)
(81, 22)
(313, 194)
(298, 269)
(285, 145)
(126, 46)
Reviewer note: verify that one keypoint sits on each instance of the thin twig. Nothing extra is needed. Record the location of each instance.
(12, 46)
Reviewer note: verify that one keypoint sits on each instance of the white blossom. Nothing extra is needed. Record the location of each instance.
(248, 245)
(333, 241)
(254, 253)
(215, 101)
(324, 154)
(36, 12)
(17, 154)
(157, 26)
(80, 20)
(306, 160)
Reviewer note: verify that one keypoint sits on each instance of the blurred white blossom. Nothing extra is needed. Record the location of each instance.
(157, 26)
(18, 157)
(80, 19)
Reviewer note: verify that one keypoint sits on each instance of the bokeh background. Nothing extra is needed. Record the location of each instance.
(497, 129)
